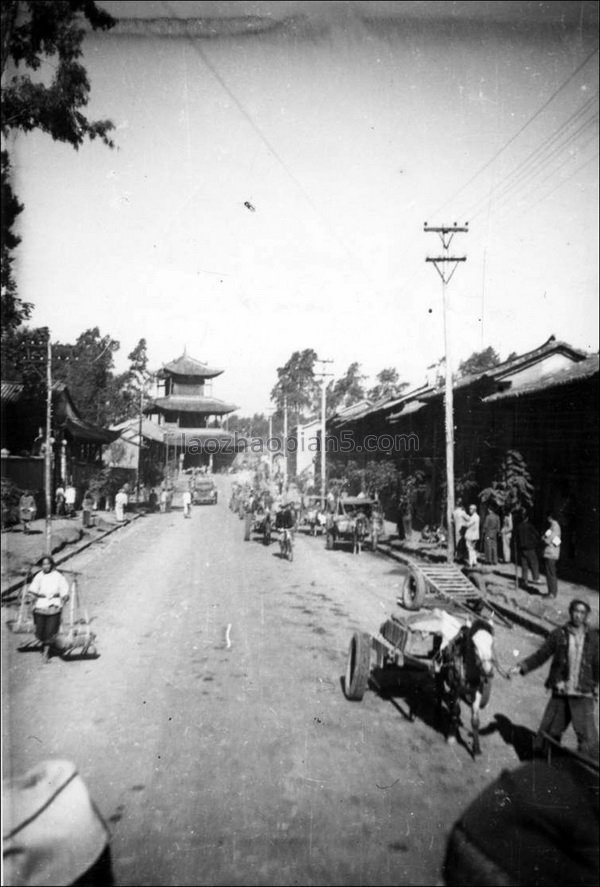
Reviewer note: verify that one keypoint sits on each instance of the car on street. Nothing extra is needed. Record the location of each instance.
(204, 491)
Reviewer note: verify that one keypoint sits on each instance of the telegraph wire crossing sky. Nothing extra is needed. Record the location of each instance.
(273, 176)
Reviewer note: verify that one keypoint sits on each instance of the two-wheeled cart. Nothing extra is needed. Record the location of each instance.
(416, 639)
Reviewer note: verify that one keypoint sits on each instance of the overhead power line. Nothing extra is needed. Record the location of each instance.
(518, 133)
(535, 163)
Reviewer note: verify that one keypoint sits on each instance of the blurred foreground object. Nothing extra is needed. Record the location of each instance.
(536, 826)
(52, 833)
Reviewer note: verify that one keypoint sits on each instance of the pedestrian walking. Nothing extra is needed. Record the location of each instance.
(551, 554)
(506, 533)
(163, 500)
(87, 508)
(50, 591)
(529, 540)
(70, 497)
(459, 521)
(472, 535)
(121, 500)
(187, 503)
(491, 530)
(59, 499)
(572, 679)
(27, 510)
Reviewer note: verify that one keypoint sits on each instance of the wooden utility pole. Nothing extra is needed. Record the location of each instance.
(140, 444)
(269, 450)
(324, 376)
(285, 445)
(48, 450)
(446, 265)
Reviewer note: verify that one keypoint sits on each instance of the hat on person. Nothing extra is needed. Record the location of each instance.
(52, 832)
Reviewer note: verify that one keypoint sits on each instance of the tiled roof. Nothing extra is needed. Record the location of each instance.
(187, 366)
(10, 391)
(181, 404)
(130, 429)
(585, 369)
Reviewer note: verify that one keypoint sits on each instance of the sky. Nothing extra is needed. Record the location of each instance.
(275, 166)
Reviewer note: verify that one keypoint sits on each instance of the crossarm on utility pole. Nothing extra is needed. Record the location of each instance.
(446, 233)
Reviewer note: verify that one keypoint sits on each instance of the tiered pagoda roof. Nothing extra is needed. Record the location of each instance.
(179, 403)
(184, 380)
(185, 367)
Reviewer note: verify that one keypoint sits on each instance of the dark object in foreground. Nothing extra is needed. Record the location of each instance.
(536, 826)
(52, 830)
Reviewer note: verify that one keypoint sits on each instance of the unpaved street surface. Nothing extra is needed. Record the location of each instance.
(213, 731)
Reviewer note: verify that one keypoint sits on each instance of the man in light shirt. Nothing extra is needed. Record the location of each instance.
(472, 534)
(551, 554)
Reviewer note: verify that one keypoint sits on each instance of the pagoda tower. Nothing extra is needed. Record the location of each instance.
(191, 418)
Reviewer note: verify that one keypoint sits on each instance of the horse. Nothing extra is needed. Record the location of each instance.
(464, 672)
(360, 529)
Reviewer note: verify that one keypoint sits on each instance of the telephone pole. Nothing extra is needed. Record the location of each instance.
(48, 450)
(323, 376)
(285, 445)
(446, 265)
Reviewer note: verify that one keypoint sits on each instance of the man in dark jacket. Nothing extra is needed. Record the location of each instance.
(572, 679)
(529, 540)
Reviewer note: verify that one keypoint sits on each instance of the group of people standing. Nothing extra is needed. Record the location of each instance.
(469, 530)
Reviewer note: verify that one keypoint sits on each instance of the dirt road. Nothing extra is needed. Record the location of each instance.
(213, 732)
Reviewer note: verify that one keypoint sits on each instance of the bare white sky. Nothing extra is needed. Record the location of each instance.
(346, 126)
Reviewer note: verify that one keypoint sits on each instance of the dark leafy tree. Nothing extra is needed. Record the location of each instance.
(249, 426)
(130, 390)
(86, 369)
(511, 489)
(479, 362)
(38, 37)
(297, 386)
(14, 310)
(388, 385)
(347, 390)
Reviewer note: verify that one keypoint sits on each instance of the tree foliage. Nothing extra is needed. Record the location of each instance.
(13, 309)
(479, 362)
(42, 38)
(297, 386)
(511, 489)
(388, 385)
(86, 369)
(130, 389)
(249, 426)
(347, 390)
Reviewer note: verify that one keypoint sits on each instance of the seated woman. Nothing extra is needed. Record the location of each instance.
(50, 591)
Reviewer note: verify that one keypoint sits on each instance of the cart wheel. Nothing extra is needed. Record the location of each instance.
(247, 526)
(413, 591)
(329, 542)
(358, 667)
